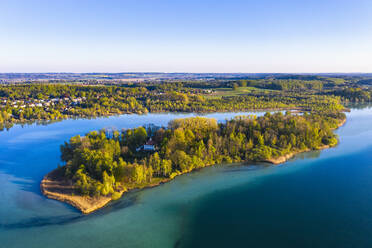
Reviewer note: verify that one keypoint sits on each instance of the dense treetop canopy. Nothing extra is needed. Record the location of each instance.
(102, 163)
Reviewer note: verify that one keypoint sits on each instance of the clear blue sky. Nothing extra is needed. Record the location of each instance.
(186, 36)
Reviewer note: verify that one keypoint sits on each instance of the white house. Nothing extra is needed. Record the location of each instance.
(149, 146)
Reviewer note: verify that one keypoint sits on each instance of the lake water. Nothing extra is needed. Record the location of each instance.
(318, 199)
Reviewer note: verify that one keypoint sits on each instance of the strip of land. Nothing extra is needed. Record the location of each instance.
(285, 158)
(54, 186)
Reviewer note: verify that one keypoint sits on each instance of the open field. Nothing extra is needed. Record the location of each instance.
(220, 92)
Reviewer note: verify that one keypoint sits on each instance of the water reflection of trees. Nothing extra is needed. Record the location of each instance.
(358, 105)
(310, 154)
(7, 125)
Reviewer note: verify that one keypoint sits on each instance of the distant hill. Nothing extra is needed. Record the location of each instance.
(161, 76)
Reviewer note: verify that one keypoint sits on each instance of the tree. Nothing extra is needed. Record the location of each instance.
(108, 184)
(155, 163)
(166, 167)
(181, 161)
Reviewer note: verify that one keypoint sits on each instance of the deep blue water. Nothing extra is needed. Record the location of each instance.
(318, 199)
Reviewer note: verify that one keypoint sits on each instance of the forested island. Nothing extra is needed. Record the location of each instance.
(102, 165)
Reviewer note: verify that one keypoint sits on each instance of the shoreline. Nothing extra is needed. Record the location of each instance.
(53, 186)
(58, 189)
(9, 124)
(285, 158)
(75, 117)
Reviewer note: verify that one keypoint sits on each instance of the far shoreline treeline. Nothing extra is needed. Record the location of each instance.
(47, 102)
(50, 100)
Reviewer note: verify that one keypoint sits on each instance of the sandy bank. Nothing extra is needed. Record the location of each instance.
(285, 158)
(341, 123)
(54, 187)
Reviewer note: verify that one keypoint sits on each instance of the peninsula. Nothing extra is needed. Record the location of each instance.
(101, 166)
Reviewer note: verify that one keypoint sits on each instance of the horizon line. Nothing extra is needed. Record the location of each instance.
(159, 72)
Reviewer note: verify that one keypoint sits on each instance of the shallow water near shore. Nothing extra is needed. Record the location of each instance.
(318, 199)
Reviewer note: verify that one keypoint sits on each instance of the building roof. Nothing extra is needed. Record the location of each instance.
(150, 142)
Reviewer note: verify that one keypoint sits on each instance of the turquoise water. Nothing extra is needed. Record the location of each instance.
(318, 199)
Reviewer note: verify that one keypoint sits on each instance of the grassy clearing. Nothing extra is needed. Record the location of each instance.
(220, 92)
